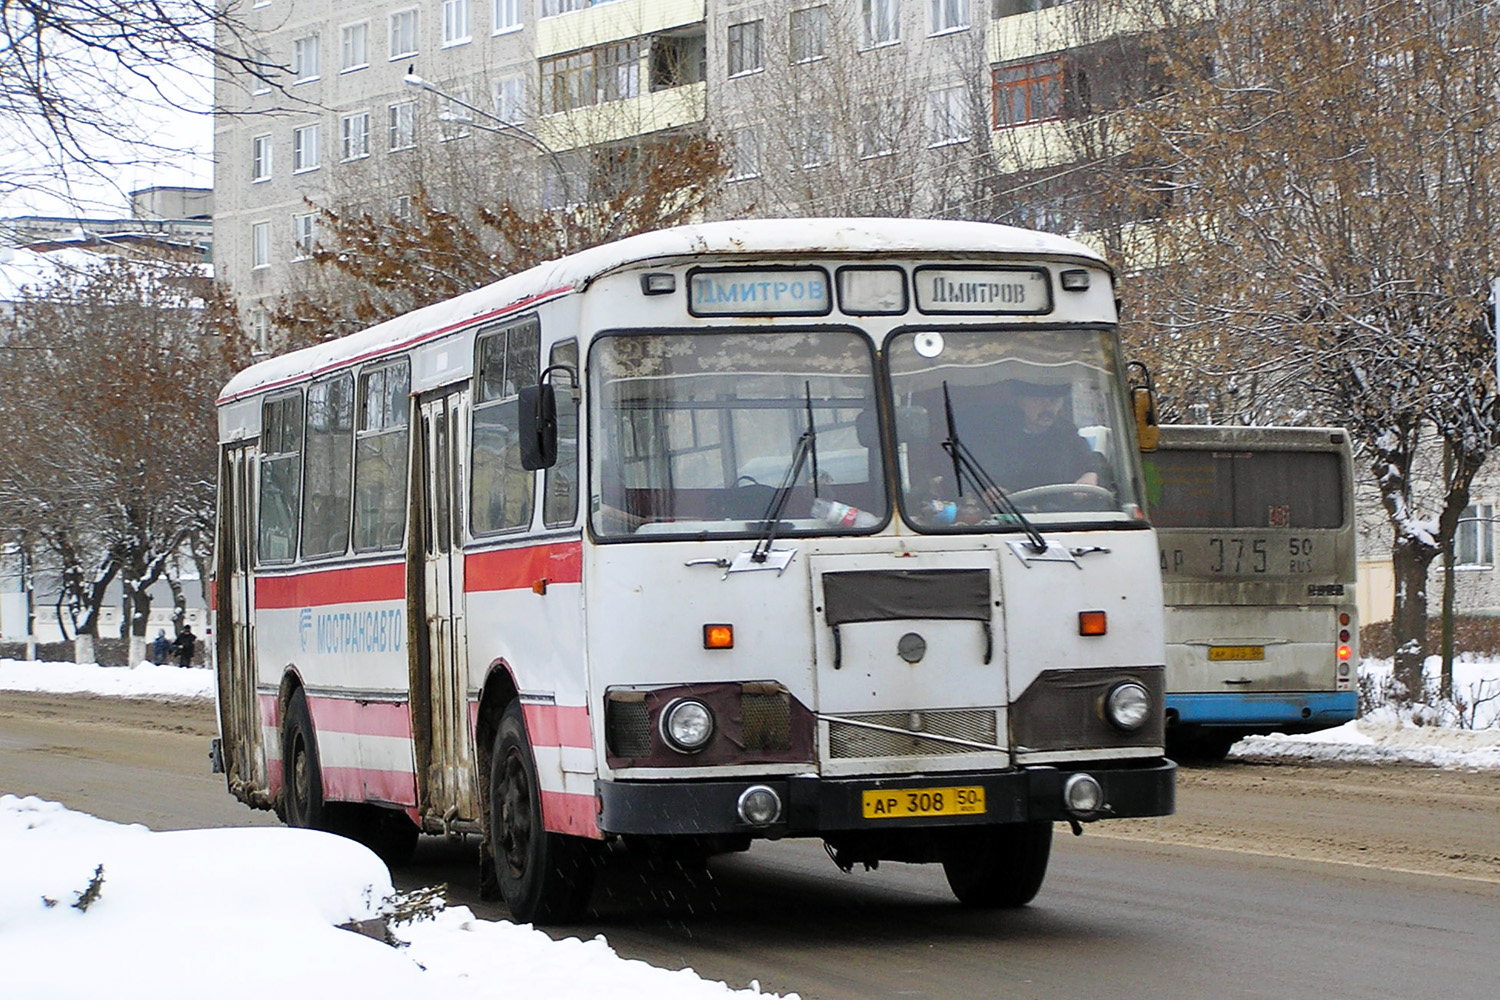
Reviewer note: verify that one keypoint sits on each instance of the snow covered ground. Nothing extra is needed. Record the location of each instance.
(90, 908)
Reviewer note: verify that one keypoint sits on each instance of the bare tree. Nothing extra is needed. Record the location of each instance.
(475, 205)
(1328, 175)
(108, 388)
(74, 75)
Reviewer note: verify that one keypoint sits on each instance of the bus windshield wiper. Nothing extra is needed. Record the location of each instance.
(807, 445)
(967, 467)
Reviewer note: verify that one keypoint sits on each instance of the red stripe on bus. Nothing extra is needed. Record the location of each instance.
(407, 344)
(563, 812)
(375, 718)
(520, 568)
(356, 784)
(352, 585)
(558, 726)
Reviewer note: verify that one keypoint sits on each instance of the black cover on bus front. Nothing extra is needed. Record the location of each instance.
(887, 595)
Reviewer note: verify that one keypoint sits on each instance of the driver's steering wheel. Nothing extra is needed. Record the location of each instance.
(1054, 491)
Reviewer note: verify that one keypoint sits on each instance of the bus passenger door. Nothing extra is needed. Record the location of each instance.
(234, 627)
(445, 759)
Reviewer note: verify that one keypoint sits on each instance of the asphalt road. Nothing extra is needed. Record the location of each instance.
(1271, 882)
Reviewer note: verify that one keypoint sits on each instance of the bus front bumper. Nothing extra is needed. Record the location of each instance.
(1290, 712)
(811, 805)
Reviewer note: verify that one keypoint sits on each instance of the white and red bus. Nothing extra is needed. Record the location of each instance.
(776, 528)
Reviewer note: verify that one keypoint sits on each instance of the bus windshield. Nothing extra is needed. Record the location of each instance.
(1038, 412)
(694, 434)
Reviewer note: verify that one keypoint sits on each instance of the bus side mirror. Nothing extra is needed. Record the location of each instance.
(1143, 402)
(1147, 429)
(538, 427)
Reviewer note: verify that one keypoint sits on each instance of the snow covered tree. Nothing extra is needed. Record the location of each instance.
(108, 388)
(1325, 177)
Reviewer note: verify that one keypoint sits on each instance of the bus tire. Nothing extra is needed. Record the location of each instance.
(543, 877)
(999, 866)
(301, 773)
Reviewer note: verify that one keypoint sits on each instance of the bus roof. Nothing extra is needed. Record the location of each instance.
(802, 237)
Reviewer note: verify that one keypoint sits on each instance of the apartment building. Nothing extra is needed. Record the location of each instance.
(899, 107)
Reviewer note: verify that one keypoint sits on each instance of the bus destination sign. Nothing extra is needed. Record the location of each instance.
(989, 291)
(781, 291)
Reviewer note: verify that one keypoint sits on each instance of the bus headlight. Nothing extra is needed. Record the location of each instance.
(687, 725)
(1128, 705)
(1082, 795)
(759, 806)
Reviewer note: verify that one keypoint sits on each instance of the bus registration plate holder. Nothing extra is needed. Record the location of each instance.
(1224, 653)
(906, 803)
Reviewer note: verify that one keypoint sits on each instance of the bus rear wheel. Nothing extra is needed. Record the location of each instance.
(543, 877)
(998, 866)
(301, 773)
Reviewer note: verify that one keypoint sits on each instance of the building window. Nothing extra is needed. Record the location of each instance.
(814, 142)
(403, 125)
(619, 71)
(877, 130)
(507, 15)
(947, 116)
(456, 119)
(808, 29)
(260, 245)
(305, 59)
(593, 76)
(1474, 545)
(1032, 92)
(455, 22)
(401, 208)
(263, 68)
(744, 48)
(354, 132)
(403, 34)
(947, 15)
(354, 46)
(510, 99)
(304, 234)
(881, 22)
(678, 60)
(744, 154)
(304, 148)
(260, 158)
(259, 327)
(551, 8)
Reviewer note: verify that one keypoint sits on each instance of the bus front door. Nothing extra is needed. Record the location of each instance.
(239, 704)
(444, 755)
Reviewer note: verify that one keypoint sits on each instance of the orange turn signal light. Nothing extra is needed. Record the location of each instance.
(718, 637)
(1092, 623)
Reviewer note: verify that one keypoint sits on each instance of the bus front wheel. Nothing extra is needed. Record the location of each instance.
(998, 866)
(543, 877)
(301, 773)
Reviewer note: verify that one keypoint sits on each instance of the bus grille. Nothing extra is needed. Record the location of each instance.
(847, 739)
(768, 720)
(627, 727)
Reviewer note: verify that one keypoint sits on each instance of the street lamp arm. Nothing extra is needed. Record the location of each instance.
(525, 135)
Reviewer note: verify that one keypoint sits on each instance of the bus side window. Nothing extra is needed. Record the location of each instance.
(380, 455)
(506, 359)
(560, 501)
(330, 434)
(280, 479)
